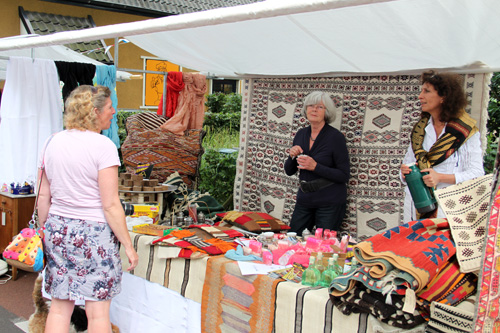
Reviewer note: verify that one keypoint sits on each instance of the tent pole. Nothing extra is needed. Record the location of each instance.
(141, 71)
(164, 95)
(115, 61)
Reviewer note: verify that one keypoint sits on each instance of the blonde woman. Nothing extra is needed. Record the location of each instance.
(82, 214)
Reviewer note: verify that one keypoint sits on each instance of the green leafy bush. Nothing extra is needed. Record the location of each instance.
(215, 102)
(223, 103)
(493, 124)
(224, 111)
(216, 121)
(232, 104)
(217, 173)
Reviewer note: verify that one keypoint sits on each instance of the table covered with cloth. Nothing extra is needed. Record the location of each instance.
(233, 302)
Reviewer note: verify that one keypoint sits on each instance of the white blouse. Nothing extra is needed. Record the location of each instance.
(465, 163)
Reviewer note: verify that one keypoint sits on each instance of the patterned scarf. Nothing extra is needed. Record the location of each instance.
(456, 133)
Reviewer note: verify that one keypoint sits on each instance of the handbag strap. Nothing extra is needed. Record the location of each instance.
(34, 222)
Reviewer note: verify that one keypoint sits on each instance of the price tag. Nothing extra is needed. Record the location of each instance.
(410, 301)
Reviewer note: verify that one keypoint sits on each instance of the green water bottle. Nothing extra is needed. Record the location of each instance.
(420, 193)
(319, 263)
(329, 274)
(311, 276)
(336, 265)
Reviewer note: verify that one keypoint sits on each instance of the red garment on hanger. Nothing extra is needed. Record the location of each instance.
(174, 86)
(191, 109)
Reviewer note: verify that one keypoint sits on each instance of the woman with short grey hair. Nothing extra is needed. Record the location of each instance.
(319, 154)
(317, 97)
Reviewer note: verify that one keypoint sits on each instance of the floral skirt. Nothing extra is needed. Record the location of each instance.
(83, 259)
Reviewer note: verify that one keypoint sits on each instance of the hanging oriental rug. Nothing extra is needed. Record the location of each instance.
(376, 115)
(487, 312)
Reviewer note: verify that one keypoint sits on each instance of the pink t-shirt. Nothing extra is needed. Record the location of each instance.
(73, 159)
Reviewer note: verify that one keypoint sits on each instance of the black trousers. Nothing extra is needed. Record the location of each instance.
(330, 217)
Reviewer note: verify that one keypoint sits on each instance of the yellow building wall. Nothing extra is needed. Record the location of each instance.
(129, 93)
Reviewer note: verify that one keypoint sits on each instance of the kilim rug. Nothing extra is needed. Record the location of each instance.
(487, 310)
(450, 319)
(420, 248)
(466, 206)
(376, 115)
(232, 302)
(184, 276)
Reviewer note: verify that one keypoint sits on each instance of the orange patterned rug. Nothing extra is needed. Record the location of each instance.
(236, 303)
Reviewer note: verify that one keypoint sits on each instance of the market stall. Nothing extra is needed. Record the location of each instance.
(286, 306)
(368, 54)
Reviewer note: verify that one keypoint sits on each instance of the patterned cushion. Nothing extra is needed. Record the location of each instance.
(253, 221)
(466, 206)
(168, 152)
(148, 120)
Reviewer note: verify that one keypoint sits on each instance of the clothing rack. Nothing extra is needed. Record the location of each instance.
(165, 74)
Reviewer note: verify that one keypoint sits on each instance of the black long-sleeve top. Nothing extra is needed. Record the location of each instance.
(330, 153)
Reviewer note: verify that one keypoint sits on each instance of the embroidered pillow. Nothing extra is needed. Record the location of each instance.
(253, 221)
(466, 206)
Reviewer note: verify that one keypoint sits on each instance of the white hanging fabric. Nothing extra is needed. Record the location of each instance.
(31, 110)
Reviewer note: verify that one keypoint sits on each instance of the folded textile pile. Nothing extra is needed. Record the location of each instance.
(253, 221)
(414, 260)
(193, 246)
(449, 287)
(220, 232)
(362, 299)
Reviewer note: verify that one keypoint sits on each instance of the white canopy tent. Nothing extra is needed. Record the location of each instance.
(296, 37)
(380, 37)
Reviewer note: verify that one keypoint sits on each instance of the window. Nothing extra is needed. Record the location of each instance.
(224, 86)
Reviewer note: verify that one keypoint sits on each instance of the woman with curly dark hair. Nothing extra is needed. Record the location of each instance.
(445, 142)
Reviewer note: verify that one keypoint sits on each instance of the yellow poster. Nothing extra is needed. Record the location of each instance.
(154, 82)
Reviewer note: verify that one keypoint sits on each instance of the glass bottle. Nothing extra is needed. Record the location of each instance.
(338, 269)
(311, 276)
(354, 264)
(319, 263)
(329, 274)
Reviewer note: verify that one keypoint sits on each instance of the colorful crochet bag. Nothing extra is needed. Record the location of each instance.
(26, 251)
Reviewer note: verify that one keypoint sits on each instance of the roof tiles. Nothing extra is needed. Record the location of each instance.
(44, 24)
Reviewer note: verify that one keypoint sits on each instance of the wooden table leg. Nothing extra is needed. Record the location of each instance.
(14, 273)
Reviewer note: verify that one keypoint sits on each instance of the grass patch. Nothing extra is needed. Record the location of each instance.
(220, 138)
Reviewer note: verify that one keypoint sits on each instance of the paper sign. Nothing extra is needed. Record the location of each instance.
(250, 267)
